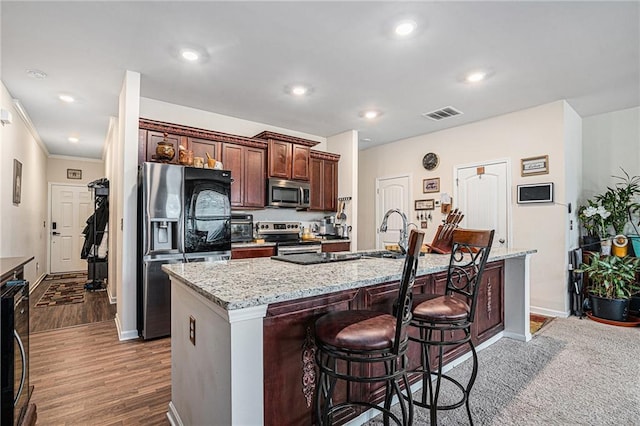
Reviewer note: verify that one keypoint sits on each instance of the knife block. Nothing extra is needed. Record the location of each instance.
(441, 243)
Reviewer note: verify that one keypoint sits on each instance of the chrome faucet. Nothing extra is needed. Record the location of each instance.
(404, 238)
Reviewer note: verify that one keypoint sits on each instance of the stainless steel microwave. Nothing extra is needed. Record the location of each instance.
(287, 193)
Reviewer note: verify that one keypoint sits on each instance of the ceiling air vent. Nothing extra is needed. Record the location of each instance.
(442, 113)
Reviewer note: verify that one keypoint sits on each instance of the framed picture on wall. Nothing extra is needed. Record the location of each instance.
(425, 204)
(431, 185)
(17, 181)
(534, 166)
(74, 174)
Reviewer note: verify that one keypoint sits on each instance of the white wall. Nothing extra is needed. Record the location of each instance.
(57, 169)
(610, 141)
(178, 114)
(346, 144)
(110, 167)
(23, 227)
(528, 133)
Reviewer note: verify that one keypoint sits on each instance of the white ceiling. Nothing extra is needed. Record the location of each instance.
(538, 52)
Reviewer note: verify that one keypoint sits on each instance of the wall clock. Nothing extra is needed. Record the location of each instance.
(430, 161)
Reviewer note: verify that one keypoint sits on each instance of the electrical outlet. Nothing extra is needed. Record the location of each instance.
(192, 330)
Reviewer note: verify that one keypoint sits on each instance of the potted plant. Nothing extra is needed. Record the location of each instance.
(611, 284)
(593, 217)
(620, 201)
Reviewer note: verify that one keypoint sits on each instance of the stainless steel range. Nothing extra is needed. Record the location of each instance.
(286, 235)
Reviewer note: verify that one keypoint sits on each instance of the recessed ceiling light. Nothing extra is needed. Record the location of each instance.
(366, 139)
(73, 139)
(189, 55)
(476, 76)
(37, 74)
(404, 28)
(66, 98)
(299, 90)
(371, 114)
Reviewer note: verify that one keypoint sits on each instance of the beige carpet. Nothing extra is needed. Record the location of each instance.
(573, 372)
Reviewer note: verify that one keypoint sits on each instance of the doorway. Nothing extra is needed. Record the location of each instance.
(70, 208)
(483, 195)
(391, 193)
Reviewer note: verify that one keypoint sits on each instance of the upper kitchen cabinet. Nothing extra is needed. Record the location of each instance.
(288, 156)
(324, 181)
(149, 139)
(247, 166)
(244, 157)
(202, 147)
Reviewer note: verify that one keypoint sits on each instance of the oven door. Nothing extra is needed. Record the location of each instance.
(299, 249)
(207, 217)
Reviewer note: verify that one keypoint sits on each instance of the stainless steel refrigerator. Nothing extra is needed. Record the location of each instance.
(184, 216)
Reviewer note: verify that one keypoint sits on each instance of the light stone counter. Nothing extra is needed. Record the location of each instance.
(217, 314)
(245, 283)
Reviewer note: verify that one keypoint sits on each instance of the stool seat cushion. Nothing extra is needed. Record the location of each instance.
(356, 330)
(441, 309)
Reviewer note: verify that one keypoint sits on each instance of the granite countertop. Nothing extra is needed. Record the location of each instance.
(245, 283)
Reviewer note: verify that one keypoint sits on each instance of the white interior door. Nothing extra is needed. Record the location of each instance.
(71, 206)
(391, 193)
(483, 197)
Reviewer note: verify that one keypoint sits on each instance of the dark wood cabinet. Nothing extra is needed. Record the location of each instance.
(289, 341)
(489, 313)
(244, 157)
(289, 349)
(247, 170)
(252, 252)
(202, 147)
(323, 170)
(279, 159)
(151, 139)
(300, 162)
(288, 156)
(333, 247)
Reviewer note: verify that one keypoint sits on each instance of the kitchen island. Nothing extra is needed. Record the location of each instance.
(242, 345)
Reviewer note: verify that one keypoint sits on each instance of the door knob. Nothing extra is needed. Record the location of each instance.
(55, 233)
(501, 240)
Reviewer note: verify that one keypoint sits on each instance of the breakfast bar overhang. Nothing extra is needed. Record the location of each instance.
(241, 330)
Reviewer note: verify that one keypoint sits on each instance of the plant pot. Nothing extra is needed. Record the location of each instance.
(591, 243)
(611, 309)
(634, 303)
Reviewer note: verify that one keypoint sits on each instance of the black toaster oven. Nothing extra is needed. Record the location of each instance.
(241, 228)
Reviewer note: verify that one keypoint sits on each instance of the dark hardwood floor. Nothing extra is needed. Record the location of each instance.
(95, 308)
(83, 375)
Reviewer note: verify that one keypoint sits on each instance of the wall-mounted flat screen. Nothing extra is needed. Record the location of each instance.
(535, 193)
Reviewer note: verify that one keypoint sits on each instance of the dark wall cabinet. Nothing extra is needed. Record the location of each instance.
(245, 157)
(288, 156)
(289, 347)
(324, 181)
(247, 170)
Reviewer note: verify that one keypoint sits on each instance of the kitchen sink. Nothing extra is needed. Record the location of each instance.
(384, 254)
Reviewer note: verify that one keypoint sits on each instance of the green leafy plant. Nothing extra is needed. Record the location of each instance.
(594, 218)
(620, 201)
(612, 277)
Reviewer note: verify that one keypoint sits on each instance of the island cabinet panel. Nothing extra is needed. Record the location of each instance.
(202, 147)
(252, 252)
(290, 374)
(489, 319)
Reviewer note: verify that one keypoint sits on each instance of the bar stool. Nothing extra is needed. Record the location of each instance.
(441, 319)
(351, 344)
